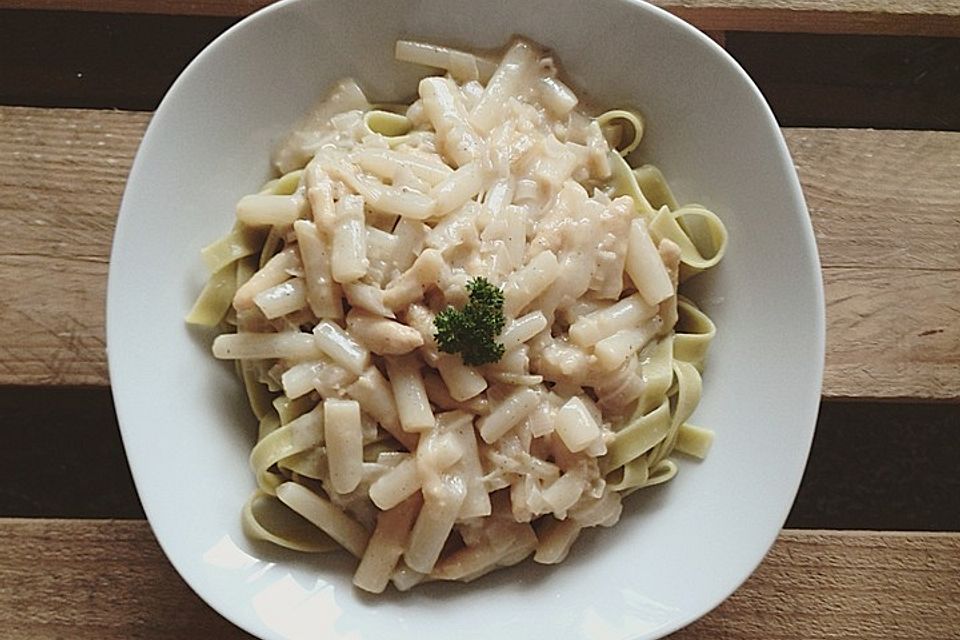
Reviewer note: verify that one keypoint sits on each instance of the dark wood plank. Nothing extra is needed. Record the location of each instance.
(78, 59)
(127, 61)
(62, 455)
(855, 81)
(882, 466)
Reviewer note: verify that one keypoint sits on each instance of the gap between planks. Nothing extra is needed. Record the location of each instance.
(108, 579)
(885, 207)
(878, 17)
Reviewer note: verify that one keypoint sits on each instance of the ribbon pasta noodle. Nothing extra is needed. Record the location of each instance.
(327, 288)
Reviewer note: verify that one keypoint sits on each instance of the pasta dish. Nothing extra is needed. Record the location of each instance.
(458, 322)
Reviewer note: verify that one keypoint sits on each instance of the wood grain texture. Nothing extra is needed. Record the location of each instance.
(870, 586)
(58, 205)
(885, 208)
(881, 17)
(100, 579)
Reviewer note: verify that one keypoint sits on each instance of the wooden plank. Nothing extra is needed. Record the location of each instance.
(886, 210)
(890, 82)
(870, 586)
(57, 212)
(101, 60)
(881, 17)
(108, 579)
(885, 205)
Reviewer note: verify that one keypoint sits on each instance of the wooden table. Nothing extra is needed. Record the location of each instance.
(872, 548)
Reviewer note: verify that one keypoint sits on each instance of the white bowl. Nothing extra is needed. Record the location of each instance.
(680, 549)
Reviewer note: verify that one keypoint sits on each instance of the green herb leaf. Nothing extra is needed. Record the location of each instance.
(473, 330)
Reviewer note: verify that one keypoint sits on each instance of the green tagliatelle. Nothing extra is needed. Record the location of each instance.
(387, 123)
(266, 518)
(608, 118)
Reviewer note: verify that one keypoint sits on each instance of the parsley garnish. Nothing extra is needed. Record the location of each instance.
(472, 331)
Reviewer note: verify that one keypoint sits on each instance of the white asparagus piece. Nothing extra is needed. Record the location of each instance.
(516, 237)
(614, 350)
(517, 72)
(411, 235)
(279, 300)
(296, 148)
(344, 438)
(421, 318)
(522, 329)
(328, 517)
(460, 425)
(271, 210)
(564, 493)
(462, 382)
(508, 414)
(456, 232)
(462, 185)
(276, 270)
(645, 267)
(386, 163)
(373, 392)
(263, 346)
(628, 313)
(556, 96)
(331, 380)
(297, 381)
(440, 396)
(348, 256)
(441, 505)
(320, 195)
(383, 198)
(396, 485)
(381, 247)
(413, 406)
(444, 107)
(670, 254)
(341, 347)
(367, 297)
(411, 285)
(323, 292)
(576, 426)
(404, 578)
(382, 336)
(431, 55)
(528, 282)
(386, 546)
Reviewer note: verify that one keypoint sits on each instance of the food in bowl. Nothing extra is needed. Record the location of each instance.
(459, 322)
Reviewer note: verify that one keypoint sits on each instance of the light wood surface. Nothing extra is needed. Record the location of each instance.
(885, 206)
(891, 17)
(97, 578)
